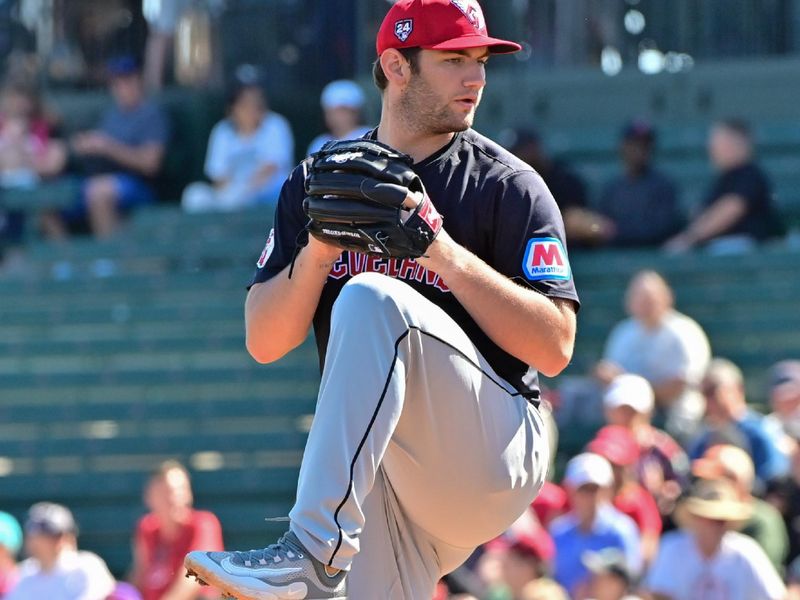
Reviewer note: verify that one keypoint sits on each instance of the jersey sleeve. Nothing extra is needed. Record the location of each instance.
(529, 244)
(289, 224)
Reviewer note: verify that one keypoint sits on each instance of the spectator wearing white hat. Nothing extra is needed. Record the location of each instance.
(664, 346)
(592, 524)
(708, 558)
(343, 105)
(10, 544)
(663, 467)
(56, 569)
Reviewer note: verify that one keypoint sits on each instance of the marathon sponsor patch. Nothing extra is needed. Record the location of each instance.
(268, 248)
(545, 259)
(403, 29)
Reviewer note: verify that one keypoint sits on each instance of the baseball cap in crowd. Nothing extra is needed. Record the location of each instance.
(342, 93)
(10, 533)
(438, 25)
(588, 468)
(639, 129)
(607, 560)
(50, 519)
(121, 66)
(725, 461)
(786, 371)
(630, 390)
(616, 444)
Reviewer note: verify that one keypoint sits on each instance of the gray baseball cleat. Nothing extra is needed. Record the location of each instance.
(282, 571)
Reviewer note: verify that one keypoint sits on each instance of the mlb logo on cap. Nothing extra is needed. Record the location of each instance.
(545, 259)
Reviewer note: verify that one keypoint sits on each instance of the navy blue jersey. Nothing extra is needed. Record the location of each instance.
(493, 204)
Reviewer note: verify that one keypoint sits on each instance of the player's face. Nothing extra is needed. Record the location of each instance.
(442, 96)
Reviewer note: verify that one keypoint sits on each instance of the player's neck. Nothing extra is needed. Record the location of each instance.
(417, 145)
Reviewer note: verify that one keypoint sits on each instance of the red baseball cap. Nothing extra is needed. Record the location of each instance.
(438, 25)
(616, 444)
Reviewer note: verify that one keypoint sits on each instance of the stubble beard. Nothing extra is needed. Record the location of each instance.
(422, 111)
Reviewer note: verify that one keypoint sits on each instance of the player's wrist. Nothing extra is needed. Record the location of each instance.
(321, 254)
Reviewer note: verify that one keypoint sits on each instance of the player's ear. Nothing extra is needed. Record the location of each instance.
(395, 67)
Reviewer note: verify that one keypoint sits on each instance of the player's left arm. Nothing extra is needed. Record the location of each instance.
(536, 329)
(522, 295)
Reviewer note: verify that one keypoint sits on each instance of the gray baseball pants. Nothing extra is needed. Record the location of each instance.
(418, 452)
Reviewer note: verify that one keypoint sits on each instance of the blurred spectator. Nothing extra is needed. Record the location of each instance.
(124, 591)
(784, 398)
(167, 533)
(250, 153)
(663, 467)
(765, 524)
(618, 446)
(664, 346)
(27, 150)
(343, 105)
(609, 579)
(10, 544)
(592, 523)
(162, 20)
(543, 589)
(56, 569)
(727, 415)
(524, 558)
(738, 211)
(583, 227)
(28, 153)
(523, 553)
(551, 502)
(784, 494)
(641, 203)
(121, 157)
(707, 558)
(793, 580)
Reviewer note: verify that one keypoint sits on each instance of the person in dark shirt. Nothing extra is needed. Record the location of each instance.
(738, 211)
(583, 226)
(642, 202)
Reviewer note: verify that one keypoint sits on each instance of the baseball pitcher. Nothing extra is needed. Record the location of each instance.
(432, 265)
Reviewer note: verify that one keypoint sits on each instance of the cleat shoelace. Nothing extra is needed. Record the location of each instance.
(273, 553)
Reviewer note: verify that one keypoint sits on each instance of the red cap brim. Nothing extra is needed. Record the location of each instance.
(496, 45)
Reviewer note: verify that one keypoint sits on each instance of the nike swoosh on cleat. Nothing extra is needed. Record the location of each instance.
(257, 571)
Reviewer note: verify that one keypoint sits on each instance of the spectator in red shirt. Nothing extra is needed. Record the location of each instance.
(170, 530)
(617, 445)
(663, 467)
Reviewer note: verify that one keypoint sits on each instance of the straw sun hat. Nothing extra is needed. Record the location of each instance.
(713, 499)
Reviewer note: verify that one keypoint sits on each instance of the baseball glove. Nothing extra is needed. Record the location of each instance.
(364, 196)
